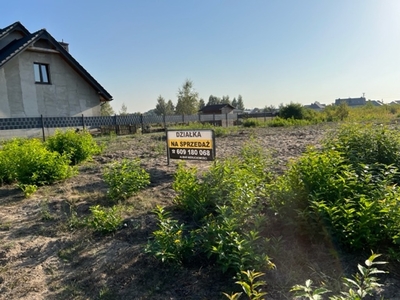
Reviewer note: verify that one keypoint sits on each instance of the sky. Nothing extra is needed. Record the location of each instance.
(271, 52)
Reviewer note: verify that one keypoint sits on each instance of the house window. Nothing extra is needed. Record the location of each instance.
(41, 73)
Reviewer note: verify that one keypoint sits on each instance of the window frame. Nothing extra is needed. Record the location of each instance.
(41, 70)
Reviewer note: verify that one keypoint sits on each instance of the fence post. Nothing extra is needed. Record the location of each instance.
(183, 118)
(141, 123)
(226, 118)
(44, 137)
(83, 123)
(115, 123)
(199, 118)
(165, 124)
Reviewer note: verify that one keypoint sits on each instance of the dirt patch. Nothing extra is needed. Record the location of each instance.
(41, 257)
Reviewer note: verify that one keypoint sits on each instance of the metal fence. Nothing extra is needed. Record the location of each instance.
(135, 120)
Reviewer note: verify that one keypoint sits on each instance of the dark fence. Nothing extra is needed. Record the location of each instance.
(132, 121)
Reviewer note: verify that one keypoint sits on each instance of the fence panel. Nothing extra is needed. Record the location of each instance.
(131, 121)
(20, 123)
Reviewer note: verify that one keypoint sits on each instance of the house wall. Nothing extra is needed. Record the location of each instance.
(226, 110)
(67, 95)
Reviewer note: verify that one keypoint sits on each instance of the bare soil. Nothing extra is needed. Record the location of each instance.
(41, 257)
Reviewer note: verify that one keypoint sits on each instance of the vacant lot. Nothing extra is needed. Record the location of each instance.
(41, 257)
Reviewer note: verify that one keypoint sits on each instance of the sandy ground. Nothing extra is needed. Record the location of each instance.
(41, 257)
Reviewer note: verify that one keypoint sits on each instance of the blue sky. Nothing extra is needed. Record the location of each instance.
(268, 51)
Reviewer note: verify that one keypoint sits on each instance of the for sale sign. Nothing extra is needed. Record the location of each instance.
(191, 144)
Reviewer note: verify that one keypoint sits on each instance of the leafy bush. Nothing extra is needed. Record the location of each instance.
(347, 187)
(366, 144)
(281, 122)
(170, 244)
(104, 220)
(125, 178)
(225, 203)
(30, 162)
(251, 123)
(292, 111)
(78, 146)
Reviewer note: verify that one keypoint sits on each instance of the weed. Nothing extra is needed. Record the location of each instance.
(362, 284)
(250, 285)
(45, 212)
(5, 226)
(27, 189)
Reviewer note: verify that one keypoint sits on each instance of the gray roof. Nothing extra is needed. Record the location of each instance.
(18, 46)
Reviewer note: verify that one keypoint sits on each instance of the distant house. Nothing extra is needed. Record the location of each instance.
(358, 101)
(316, 106)
(38, 76)
(217, 109)
(352, 101)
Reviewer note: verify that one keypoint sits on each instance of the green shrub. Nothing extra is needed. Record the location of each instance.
(78, 146)
(226, 205)
(281, 122)
(366, 144)
(125, 178)
(348, 188)
(191, 195)
(104, 220)
(30, 162)
(169, 243)
(292, 111)
(251, 123)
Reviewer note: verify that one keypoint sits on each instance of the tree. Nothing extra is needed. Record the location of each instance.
(270, 108)
(201, 103)
(124, 110)
(234, 102)
(212, 100)
(188, 103)
(225, 100)
(106, 109)
(240, 104)
(161, 106)
(293, 110)
(170, 109)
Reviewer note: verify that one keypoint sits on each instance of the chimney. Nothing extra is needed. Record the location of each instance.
(65, 46)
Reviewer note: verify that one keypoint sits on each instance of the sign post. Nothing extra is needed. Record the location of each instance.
(191, 144)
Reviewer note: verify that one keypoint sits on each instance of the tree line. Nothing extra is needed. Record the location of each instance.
(188, 103)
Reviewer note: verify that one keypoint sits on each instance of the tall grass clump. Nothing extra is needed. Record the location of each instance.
(225, 205)
(252, 123)
(281, 122)
(29, 162)
(348, 189)
(125, 178)
(78, 146)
